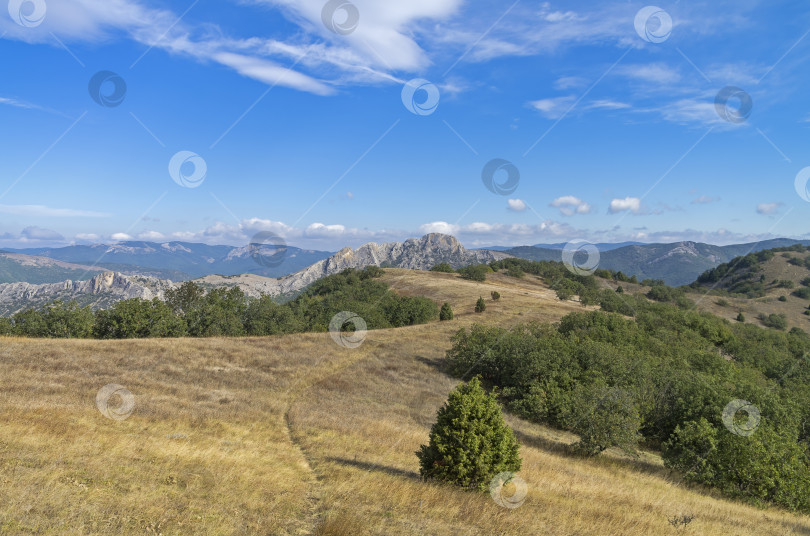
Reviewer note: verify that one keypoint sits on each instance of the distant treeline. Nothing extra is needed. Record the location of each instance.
(190, 311)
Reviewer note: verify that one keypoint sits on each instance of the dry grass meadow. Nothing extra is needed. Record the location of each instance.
(298, 435)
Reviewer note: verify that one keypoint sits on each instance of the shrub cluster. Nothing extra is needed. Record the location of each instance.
(191, 311)
(663, 379)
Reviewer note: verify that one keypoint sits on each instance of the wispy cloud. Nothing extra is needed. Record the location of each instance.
(41, 211)
(705, 200)
(767, 209)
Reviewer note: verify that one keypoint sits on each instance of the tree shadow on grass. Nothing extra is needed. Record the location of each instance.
(368, 466)
(439, 364)
(564, 449)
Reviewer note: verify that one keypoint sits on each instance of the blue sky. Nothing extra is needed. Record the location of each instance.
(295, 112)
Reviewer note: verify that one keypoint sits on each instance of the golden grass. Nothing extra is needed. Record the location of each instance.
(297, 435)
(777, 268)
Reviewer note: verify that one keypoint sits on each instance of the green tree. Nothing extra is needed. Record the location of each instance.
(477, 272)
(740, 317)
(446, 312)
(443, 267)
(138, 319)
(185, 298)
(496, 295)
(265, 317)
(480, 305)
(470, 442)
(67, 320)
(605, 417)
(30, 323)
(220, 314)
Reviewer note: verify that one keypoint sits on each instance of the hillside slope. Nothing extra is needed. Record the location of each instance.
(16, 267)
(298, 435)
(677, 264)
(771, 282)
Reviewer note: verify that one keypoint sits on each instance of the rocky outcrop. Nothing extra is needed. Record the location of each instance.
(414, 254)
(100, 291)
(110, 287)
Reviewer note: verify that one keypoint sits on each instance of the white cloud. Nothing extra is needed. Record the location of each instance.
(42, 211)
(88, 237)
(319, 230)
(516, 205)
(632, 204)
(151, 236)
(607, 104)
(121, 237)
(768, 208)
(705, 200)
(36, 234)
(271, 73)
(554, 108)
(655, 73)
(570, 205)
(439, 227)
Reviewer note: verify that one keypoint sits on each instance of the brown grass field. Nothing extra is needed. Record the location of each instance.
(298, 435)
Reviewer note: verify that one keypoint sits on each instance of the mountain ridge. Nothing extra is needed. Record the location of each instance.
(107, 288)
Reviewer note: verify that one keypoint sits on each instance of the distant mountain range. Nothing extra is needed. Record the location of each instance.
(180, 260)
(102, 274)
(677, 264)
(104, 289)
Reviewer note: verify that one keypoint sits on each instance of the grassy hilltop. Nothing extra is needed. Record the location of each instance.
(297, 435)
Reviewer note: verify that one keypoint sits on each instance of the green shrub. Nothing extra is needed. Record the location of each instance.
(480, 306)
(496, 295)
(446, 312)
(477, 272)
(515, 271)
(470, 442)
(443, 267)
(782, 298)
(776, 321)
(803, 293)
(740, 317)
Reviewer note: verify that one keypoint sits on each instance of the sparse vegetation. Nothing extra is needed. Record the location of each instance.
(775, 321)
(219, 422)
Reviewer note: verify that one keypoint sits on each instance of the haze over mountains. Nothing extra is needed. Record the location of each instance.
(180, 260)
(676, 264)
(106, 288)
(99, 275)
